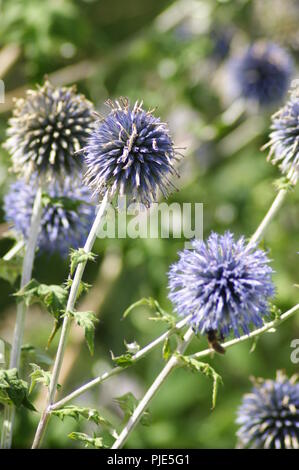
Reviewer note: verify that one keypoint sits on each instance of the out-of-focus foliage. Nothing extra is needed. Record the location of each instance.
(174, 55)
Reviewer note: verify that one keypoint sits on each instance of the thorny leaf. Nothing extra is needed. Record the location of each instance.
(13, 390)
(205, 368)
(87, 321)
(80, 256)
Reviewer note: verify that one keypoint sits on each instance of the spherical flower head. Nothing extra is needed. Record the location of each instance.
(47, 128)
(262, 74)
(284, 138)
(222, 284)
(131, 154)
(269, 415)
(66, 217)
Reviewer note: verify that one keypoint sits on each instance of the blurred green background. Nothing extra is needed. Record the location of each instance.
(173, 55)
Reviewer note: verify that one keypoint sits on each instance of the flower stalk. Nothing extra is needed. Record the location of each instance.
(116, 370)
(150, 394)
(66, 324)
(31, 244)
(172, 363)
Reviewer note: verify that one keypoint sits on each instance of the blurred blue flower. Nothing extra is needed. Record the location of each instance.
(221, 41)
(269, 415)
(66, 218)
(130, 153)
(46, 130)
(262, 74)
(224, 285)
(284, 138)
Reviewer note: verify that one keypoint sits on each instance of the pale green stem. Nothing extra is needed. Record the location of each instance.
(66, 325)
(254, 334)
(116, 370)
(276, 205)
(173, 361)
(143, 404)
(14, 250)
(31, 244)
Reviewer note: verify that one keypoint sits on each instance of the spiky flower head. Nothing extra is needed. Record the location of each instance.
(130, 153)
(269, 415)
(284, 137)
(47, 128)
(223, 284)
(262, 74)
(67, 215)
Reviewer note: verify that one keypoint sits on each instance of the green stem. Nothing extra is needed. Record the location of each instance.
(172, 363)
(31, 244)
(14, 250)
(41, 429)
(152, 391)
(116, 370)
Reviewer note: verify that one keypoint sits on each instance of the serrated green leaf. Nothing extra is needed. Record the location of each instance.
(159, 314)
(77, 412)
(144, 301)
(53, 297)
(166, 351)
(205, 368)
(87, 321)
(38, 375)
(80, 256)
(83, 287)
(128, 404)
(13, 390)
(11, 269)
(88, 441)
(125, 360)
(283, 184)
(275, 312)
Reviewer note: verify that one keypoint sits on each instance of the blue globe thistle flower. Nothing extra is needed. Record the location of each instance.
(269, 415)
(263, 73)
(66, 218)
(223, 284)
(284, 138)
(46, 130)
(131, 154)
(221, 41)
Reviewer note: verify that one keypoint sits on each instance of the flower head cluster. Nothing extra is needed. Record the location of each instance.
(284, 137)
(130, 153)
(269, 415)
(263, 73)
(66, 218)
(46, 130)
(224, 285)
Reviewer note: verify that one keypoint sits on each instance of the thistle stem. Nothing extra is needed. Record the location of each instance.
(275, 206)
(254, 334)
(116, 370)
(173, 361)
(144, 351)
(14, 250)
(66, 325)
(31, 244)
(143, 404)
